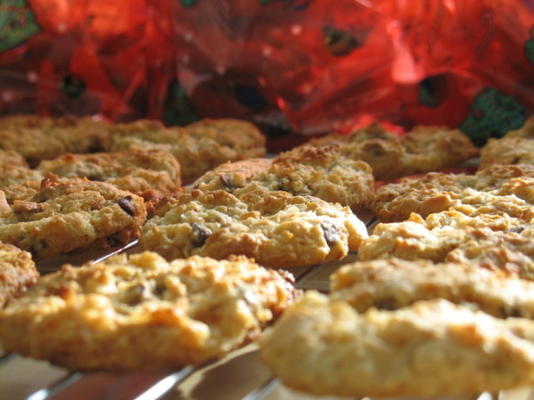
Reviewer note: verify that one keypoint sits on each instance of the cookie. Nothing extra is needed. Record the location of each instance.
(143, 313)
(64, 215)
(455, 237)
(434, 192)
(198, 147)
(232, 175)
(134, 171)
(391, 156)
(277, 229)
(394, 283)
(15, 170)
(39, 139)
(321, 172)
(516, 147)
(17, 272)
(433, 348)
(10, 158)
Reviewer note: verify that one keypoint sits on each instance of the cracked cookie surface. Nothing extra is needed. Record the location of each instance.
(324, 346)
(198, 147)
(275, 228)
(17, 272)
(434, 192)
(395, 283)
(392, 156)
(40, 138)
(489, 242)
(140, 312)
(516, 147)
(63, 215)
(323, 172)
(134, 171)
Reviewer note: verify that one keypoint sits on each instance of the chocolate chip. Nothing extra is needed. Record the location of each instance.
(160, 289)
(226, 181)
(127, 205)
(387, 303)
(517, 229)
(330, 232)
(200, 234)
(135, 294)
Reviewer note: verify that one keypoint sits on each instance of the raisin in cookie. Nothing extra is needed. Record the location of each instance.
(134, 171)
(395, 283)
(198, 147)
(434, 192)
(433, 348)
(391, 156)
(143, 313)
(322, 172)
(516, 147)
(275, 228)
(17, 272)
(39, 139)
(63, 215)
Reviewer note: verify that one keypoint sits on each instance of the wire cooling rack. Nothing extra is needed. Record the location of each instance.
(240, 375)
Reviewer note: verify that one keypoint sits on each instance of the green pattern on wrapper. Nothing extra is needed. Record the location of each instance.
(178, 108)
(17, 23)
(338, 42)
(529, 47)
(188, 3)
(493, 113)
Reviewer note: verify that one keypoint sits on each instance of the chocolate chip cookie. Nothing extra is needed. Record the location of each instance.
(391, 156)
(198, 147)
(63, 215)
(143, 313)
(17, 272)
(277, 229)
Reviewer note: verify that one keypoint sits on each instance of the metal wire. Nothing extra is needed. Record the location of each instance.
(55, 387)
(262, 391)
(117, 251)
(163, 386)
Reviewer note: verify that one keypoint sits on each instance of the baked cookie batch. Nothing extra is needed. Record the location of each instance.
(442, 289)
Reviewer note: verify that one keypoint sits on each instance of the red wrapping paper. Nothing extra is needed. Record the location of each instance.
(311, 66)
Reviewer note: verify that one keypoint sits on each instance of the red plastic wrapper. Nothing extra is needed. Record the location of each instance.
(311, 66)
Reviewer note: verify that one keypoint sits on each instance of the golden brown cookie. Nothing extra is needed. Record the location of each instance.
(64, 215)
(15, 170)
(232, 175)
(198, 147)
(143, 313)
(434, 192)
(391, 156)
(17, 272)
(135, 171)
(432, 348)
(37, 138)
(489, 241)
(516, 147)
(277, 229)
(395, 283)
(322, 172)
